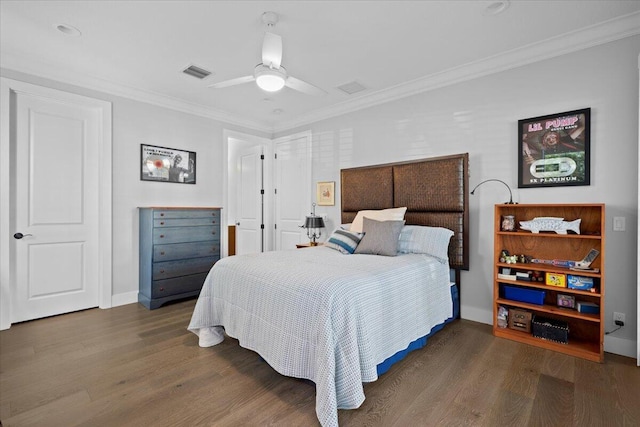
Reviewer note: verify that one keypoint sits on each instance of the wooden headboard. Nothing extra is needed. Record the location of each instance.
(433, 190)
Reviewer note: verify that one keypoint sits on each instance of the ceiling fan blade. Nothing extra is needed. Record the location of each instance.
(304, 87)
(232, 82)
(272, 50)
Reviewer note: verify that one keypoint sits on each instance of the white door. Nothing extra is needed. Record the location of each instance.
(292, 189)
(55, 206)
(249, 198)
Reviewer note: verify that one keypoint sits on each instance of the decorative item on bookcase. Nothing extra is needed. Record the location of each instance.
(556, 279)
(520, 320)
(508, 223)
(566, 301)
(557, 225)
(550, 329)
(579, 282)
(518, 293)
(503, 315)
(588, 307)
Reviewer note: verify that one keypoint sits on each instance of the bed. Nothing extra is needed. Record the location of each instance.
(342, 320)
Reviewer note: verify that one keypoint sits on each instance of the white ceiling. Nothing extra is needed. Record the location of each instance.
(138, 49)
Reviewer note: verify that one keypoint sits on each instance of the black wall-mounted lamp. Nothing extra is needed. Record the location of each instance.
(510, 202)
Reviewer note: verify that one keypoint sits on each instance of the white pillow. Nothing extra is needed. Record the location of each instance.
(418, 239)
(392, 214)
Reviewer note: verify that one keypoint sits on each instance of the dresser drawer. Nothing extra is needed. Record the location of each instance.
(163, 288)
(185, 234)
(185, 250)
(168, 269)
(192, 213)
(180, 222)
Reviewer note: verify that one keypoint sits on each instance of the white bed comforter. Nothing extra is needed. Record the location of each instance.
(318, 314)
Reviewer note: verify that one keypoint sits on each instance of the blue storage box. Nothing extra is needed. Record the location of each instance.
(517, 293)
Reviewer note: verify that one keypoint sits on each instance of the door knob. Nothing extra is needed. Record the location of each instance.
(238, 224)
(19, 236)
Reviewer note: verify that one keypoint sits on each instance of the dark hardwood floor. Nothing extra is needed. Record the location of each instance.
(129, 366)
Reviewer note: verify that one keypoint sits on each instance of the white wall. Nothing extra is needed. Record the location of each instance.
(136, 123)
(480, 117)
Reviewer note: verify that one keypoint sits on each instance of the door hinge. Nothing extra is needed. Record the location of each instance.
(262, 226)
(275, 226)
(276, 156)
(262, 191)
(261, 156)
(275, 191)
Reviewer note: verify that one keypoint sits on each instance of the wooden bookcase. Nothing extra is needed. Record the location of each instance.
(586, 331)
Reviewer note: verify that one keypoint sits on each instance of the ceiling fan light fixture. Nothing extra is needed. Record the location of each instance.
(268, 79)
(270, 83)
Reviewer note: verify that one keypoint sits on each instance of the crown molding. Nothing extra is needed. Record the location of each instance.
(595, 35)
(54, 72)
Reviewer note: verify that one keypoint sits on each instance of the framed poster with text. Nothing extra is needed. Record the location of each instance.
(167, 165)
(554, 150)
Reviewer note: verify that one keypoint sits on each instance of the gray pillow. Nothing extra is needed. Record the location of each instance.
(380, 237)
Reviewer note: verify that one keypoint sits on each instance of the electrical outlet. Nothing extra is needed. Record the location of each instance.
(618, 318)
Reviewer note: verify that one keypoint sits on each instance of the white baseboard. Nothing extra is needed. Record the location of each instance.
(125, 298)
(476, 314)
(621, 346)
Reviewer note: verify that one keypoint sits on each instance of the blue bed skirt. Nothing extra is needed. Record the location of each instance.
(421, 342)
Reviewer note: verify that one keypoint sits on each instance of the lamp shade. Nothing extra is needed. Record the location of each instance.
(314, 222)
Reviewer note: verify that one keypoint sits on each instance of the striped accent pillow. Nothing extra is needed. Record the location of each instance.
(344, 241)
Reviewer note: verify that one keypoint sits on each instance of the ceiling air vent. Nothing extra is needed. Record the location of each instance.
(197, 72)
(351, 88)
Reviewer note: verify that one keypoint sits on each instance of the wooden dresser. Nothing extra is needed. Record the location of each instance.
(178, 247)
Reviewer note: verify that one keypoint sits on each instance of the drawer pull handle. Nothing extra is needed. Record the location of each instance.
(213, 232)
(162, 214)
(161, 289)
(162, 253)
(161, 222)
(161, 271)
(162, 236)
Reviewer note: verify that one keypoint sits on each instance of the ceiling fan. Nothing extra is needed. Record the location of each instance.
(270, 75)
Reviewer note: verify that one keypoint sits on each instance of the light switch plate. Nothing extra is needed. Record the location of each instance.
(619, 223)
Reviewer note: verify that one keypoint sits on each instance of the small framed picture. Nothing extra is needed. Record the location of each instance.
(566, 301)
(325, 193)
(167, 165)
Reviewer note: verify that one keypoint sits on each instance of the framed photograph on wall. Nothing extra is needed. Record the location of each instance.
(167, 164)
(554, 150)
(325, 193)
